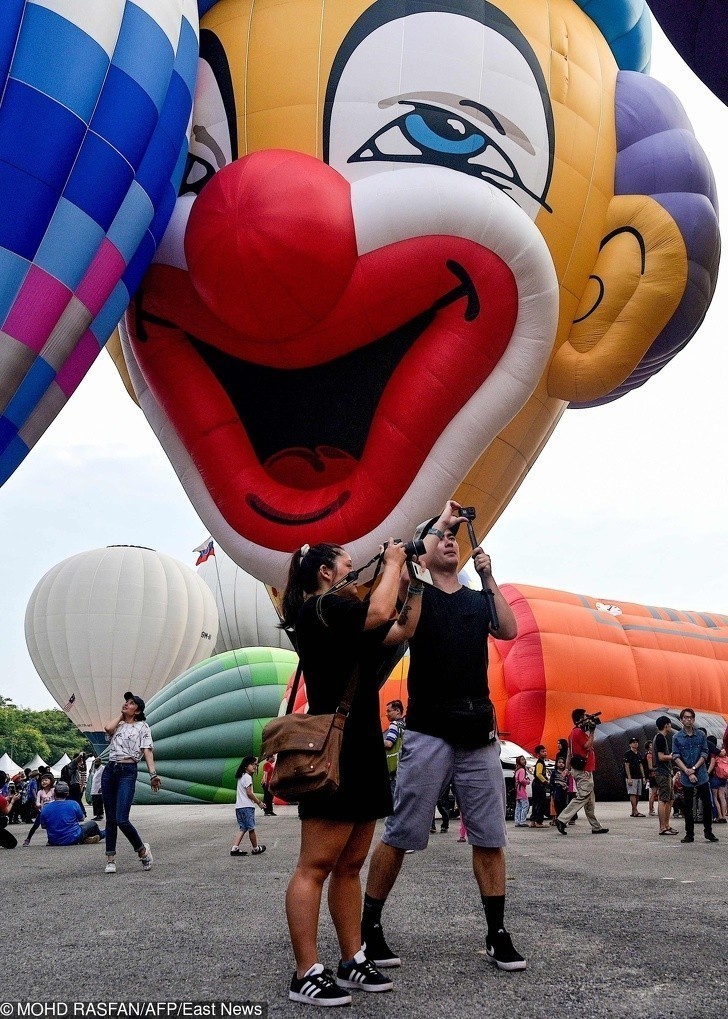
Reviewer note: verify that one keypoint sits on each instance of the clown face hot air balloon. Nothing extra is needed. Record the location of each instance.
(406, 238)
(112, 620)
(395, 262)
(96, 100)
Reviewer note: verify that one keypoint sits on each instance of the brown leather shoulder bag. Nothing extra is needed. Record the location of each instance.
(308, 747)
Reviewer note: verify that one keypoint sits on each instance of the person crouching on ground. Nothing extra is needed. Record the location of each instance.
(336, 634)
(64, 821)
(46, 794)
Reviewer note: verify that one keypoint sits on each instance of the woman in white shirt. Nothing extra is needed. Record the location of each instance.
(131, 739)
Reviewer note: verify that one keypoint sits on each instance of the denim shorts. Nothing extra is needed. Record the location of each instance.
(426, 766)
(245, 817)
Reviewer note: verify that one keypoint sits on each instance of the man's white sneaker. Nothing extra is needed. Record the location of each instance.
(147, 859)
(110, 868)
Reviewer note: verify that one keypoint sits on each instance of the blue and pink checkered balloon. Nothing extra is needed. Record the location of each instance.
(96, 101)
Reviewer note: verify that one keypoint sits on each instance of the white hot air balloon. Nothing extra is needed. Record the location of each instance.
(116, 619)
(247, 615)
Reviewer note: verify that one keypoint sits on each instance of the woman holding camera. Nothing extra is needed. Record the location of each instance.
(337, 633)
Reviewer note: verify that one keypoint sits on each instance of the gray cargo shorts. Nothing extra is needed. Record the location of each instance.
(427, 765)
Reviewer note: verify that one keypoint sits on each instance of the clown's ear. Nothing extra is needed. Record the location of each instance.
(657, 267)
(634, 290)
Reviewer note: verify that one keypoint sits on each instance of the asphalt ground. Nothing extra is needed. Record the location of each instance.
(628, 924)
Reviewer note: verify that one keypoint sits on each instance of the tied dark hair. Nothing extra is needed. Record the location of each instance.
(303, 577)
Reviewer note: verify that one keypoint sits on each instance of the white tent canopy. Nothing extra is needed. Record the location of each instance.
(56, 768)
(8, 765)
(36, 763)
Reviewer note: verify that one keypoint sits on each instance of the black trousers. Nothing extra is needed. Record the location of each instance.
(76, 793)
(539, 802)
(7, 840)
(703, 794)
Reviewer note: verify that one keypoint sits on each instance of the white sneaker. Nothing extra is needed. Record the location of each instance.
(147, 859)
(110, 867)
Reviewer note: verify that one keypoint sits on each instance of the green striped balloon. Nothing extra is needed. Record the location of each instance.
(209, 718)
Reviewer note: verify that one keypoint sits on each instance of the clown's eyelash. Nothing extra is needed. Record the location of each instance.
(454, 103)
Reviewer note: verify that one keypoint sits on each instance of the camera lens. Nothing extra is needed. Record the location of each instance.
(414, 548)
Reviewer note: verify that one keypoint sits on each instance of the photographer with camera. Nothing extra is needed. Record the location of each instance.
(450, 737)
(341, 640)
(582, 762)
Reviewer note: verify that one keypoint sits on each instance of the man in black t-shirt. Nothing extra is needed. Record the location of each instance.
(635, 774)
(662, 765)
(450, 737)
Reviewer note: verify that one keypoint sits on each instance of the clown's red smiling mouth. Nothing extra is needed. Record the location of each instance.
(335, 404)
(287, 449)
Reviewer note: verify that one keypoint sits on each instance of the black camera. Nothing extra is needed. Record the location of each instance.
(589, 722)
(468, 512)
(412, 549)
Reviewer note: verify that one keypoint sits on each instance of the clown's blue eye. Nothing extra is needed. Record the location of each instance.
(430, 134)
(439, 131)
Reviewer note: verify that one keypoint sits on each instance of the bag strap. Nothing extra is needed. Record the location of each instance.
(344, 704)
(294, 689)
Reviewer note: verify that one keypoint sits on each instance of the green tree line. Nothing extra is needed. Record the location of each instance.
(25, 733)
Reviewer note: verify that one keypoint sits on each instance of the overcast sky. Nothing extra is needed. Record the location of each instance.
(626, 502)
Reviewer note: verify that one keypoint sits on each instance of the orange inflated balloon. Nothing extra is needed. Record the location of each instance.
(619, 658)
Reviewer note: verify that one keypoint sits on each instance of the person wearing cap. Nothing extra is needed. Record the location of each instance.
(635, 775)
(64, 821)
(450, 737)
(662, 765)
(131, 739)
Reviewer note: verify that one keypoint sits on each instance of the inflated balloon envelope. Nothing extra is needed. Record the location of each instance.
(574, 651)
(206, 720)
(116, 618)
(698, 29)
(96, 99)
(407, 236)
(392, 265)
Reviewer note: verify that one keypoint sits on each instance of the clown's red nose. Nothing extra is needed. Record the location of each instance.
(270, 243)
